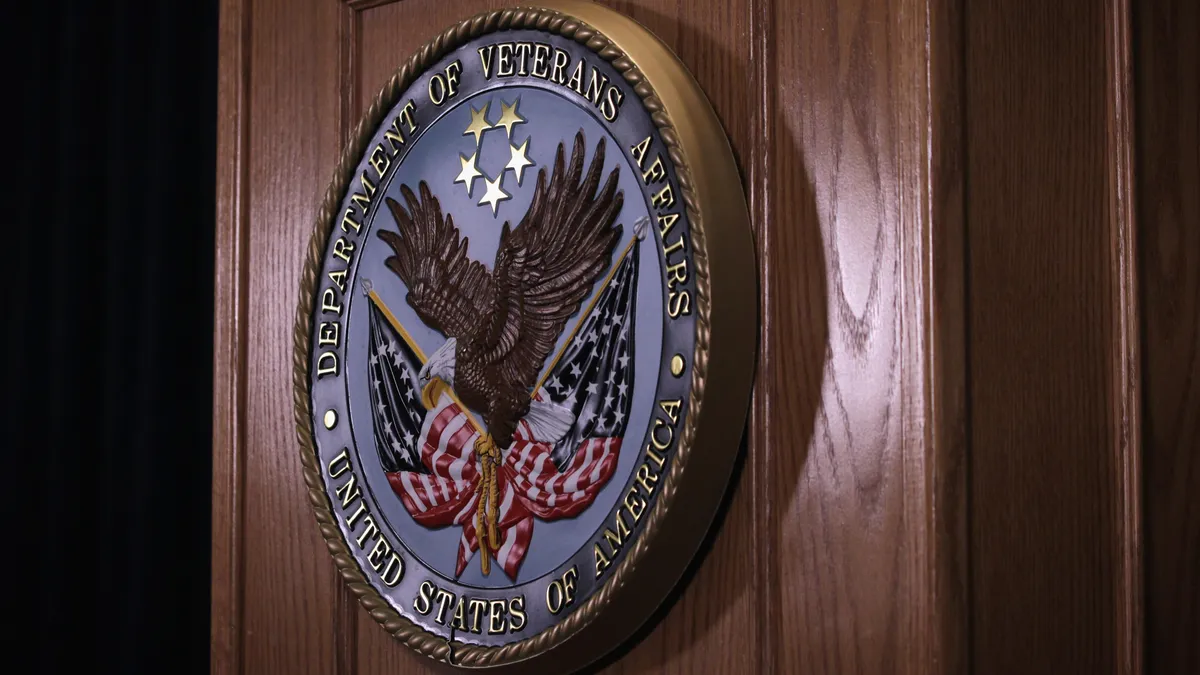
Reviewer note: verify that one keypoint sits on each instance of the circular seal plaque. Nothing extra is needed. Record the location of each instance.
(525, 339)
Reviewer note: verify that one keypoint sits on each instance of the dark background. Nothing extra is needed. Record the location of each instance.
(109, 367)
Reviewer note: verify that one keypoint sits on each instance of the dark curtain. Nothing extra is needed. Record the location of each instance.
(108, 256)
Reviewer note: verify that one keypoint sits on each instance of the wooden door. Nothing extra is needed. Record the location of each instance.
(942, 469)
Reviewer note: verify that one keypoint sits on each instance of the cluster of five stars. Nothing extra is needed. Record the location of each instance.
(519, 160)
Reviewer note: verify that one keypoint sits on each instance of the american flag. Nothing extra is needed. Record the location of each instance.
(429, 456)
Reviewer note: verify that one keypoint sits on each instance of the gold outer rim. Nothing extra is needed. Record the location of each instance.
(723, 264)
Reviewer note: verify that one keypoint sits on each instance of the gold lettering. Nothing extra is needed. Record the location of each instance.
(495, 617)
(541, 56)
(342, 249)
(646, 478)
(369, 187)
(477, 608)
(327, 364)
(444, 598)
(516, 611)
(485, 59)
(656, 172)
(679, 303)
(406, 114)
(659, 424)
(665, 198)
(329, 302)
(596, 86)
(424, 598)
(350, 490)
(576, 81)
(635, 504)
(347, 219)
(460, 616)
(378, 552)
(368, 527)
(338, 277)
(639, 151)
(341, 457)
(665, 223)
(393, 136)
(557, 71)
(328, 333)
(395, 568)
(362, 508)
(504, 51)
(380, 161)
(522, 50)
(673, 247)
(612, 103)
(671, 408)
(602, 561)
(677, 273)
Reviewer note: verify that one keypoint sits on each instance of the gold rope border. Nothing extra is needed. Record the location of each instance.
(403, 629)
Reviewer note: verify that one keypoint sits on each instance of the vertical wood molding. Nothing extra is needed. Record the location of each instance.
(946, 342)
(346, 612)
(229, 339)
(761, 116)
(1126, 373)
(1167, 68)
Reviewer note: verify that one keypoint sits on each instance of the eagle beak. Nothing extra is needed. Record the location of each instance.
(432, 391)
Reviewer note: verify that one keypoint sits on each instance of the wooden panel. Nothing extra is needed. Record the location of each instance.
(1053, 366)
(1168, 92)
(842, 549)
(854, 310)
(288, 584)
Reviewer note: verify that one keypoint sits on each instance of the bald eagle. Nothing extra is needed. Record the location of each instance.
(501, 325)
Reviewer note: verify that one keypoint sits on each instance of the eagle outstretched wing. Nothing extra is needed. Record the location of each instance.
(547, 266)
(448, 290)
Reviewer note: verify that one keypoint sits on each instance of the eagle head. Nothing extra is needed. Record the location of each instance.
(437, 373)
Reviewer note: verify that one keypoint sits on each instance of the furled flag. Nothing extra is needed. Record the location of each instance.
(430, 459)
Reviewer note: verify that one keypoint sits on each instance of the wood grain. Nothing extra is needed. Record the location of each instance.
(856, 309)
(1168, 141)
(289, 584)
(843, 546)
(229, 339)
(1052, 359)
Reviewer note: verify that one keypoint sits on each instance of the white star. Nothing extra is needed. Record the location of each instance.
(495, 194)
(621, 388)
(554, 383)
(382, 349)
(408, 438)
(624, 361)
(396, 360)
(479, 123)
(620, 416)
(575, 370)
(469, 172)
(591, 388)
(380, 406)
(387, 428)
(396, 446)
(391, 347)
(608, 401)
(373, 360)
(519, 159)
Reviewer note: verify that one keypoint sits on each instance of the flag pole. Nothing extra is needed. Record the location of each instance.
(412, 344)
(639, 232)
